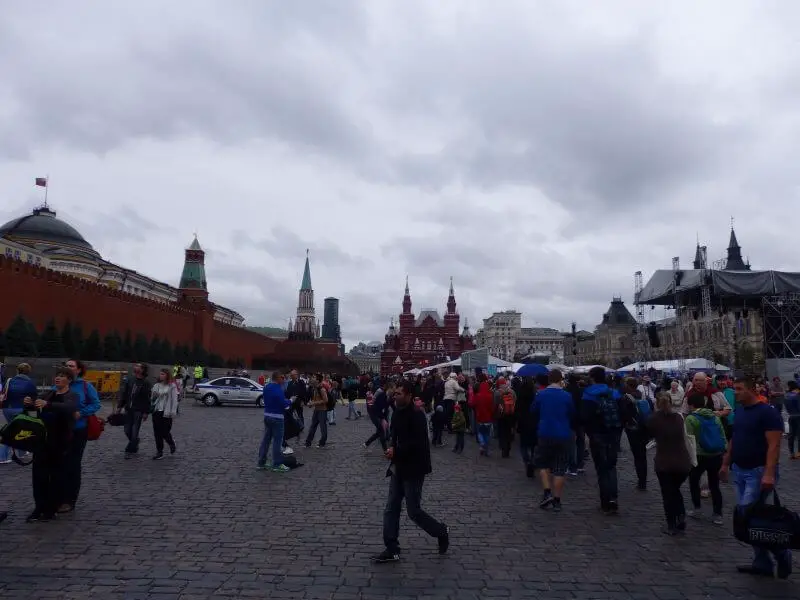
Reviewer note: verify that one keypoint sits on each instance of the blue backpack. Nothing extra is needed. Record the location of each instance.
(644, 409)
(710, 438)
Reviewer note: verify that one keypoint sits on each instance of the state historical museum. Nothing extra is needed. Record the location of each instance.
(425, 340)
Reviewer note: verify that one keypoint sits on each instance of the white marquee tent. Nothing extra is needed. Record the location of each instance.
(690, 364)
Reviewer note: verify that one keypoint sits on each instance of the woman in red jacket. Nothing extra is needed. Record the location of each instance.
(484, 413)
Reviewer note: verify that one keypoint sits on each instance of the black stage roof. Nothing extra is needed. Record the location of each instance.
(732, 285)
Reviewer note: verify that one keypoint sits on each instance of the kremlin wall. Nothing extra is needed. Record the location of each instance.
(40, 295)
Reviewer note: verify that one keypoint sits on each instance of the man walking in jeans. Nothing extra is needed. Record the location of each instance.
(135, 399)
(602, 422)
(752, 458)
(410, 453)
(275, 405)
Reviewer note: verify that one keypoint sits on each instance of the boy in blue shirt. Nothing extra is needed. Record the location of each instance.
(555, 412)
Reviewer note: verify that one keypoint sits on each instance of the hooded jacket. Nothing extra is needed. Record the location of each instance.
(693, 428)
(592, 416)
(451, 388)
(484, 403)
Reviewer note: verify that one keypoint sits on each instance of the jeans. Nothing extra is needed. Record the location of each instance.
(8, 413)
(318, 419)
(577, 453)
(380, 433)
(133, 423)
(671, 496)
(459, 441)
(747, 483)
(352, 411)
(331, 415)
(162, 431)
(527, 442)
(710, 465)
(72, 467)
(273, 435)
(604, 447)
(794, 433)
(637, 440)
(411, 490)
(484, 436)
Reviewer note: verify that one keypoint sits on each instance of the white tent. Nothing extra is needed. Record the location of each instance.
(690, 364)
(563, 368)
(412, 372)
(583, 369)
(493, 360)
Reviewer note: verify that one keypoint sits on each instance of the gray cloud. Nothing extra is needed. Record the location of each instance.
(539, 153)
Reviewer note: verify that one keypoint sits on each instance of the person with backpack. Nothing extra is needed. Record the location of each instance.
(57, 410)
(16, 389)
(554, 410)
(711, 442)
(637, 408)
(603, 424)
(505, 401)
(334, 394)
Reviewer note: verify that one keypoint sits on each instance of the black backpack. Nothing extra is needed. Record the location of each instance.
(25, 433)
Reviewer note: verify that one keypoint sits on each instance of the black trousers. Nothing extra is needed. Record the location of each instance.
(459, 447)
(671, 496)
(411, 490)
(318, 419)
(48, 478)
(505, 435)
(379, 434)
(162, 431)
(710, 465)
(72, 467)
(637, 440)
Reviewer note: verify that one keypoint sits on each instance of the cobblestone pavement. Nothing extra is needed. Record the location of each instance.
(206, 524)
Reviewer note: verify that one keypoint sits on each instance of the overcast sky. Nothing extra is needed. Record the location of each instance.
(538, 152)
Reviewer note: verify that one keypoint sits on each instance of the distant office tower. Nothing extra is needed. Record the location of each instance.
(330, 327)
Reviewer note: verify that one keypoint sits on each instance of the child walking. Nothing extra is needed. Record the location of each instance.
(459, 426)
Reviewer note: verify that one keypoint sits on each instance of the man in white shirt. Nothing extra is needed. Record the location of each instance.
(647, 389)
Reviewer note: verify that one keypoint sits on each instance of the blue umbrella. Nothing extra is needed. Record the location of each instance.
(532, 370)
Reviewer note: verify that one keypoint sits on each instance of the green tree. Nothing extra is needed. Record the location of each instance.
(215, 361)
(127, 347)
(68, 341)
(77, 341)
(112, 347)
(34, 337)
(140, 349)
(50, 344)
(3, 344)
(92, 347)
(167, 354)
(199, 355)
(20, 339)
(154, 351)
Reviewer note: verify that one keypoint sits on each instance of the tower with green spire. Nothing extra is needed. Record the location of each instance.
(193, 278)
(305, 323)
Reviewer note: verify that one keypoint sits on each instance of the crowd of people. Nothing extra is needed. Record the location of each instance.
(699, 427)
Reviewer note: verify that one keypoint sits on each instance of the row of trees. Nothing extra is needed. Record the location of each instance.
(22, 339)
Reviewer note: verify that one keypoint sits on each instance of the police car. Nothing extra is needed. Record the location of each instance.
(230, 390)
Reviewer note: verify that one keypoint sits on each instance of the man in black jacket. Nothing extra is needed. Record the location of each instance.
(135, 399)
(410, 453)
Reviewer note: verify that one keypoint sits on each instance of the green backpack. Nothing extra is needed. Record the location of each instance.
(25, 433)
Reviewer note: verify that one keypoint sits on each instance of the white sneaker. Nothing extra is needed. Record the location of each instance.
(6, 462)
(287, 450)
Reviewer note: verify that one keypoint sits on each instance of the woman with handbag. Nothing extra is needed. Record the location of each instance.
(88, 405)
(672, 462)
(164, 397)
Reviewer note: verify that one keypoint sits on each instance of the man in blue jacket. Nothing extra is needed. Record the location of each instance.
(17, 388)
(275, 404)
(603, 424)
(88, 404)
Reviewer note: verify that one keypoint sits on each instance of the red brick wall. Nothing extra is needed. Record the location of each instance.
(40, 294)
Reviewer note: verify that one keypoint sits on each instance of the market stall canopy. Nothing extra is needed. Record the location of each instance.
(733, 284)
(582, 369)
(493, 360)
(689, 364)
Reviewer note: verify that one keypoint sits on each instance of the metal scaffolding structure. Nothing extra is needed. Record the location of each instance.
(678, 337)
(705, 307)
(640, 333)
(781, 316)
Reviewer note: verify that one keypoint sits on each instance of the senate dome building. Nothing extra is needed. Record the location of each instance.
(42, 239)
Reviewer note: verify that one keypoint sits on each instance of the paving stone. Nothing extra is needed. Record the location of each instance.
(206, 524)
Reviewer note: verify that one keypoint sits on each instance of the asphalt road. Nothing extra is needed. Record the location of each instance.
(206, 524)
